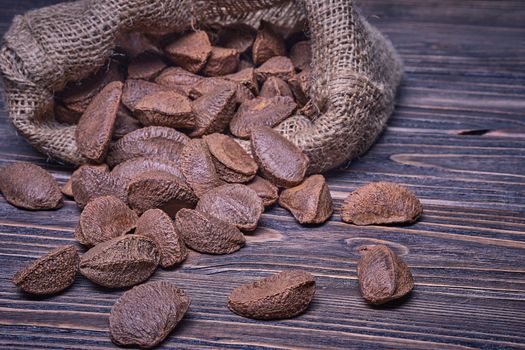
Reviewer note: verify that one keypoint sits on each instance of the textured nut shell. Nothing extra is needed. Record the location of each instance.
(134, 90)
(157, 225)
(165, 108)
(191, 51)
(125, 171)
(67, 189)
(279, 66)
(274, 86)
(268, 43)
(147, 314)
(121, 262)
(104, 218)
(198, 168)
(268, 192)
(222, 62)
(236, 204)
(383, 276)
(213, 111)
(381, 203)
(210, 85)
(231, 161)
(283, 295)
(178, 79)
(91, 183)
(301, 55)
(95, 127)
(279, 160)
(151, 141)
(261, 111)
(310, 202)
(51, 273)
(29, 186)
(160, 190)
(207, 234)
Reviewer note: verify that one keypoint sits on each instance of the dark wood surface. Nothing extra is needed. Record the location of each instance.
(457, 139)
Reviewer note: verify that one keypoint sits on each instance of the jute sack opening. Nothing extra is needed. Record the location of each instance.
(356, 70)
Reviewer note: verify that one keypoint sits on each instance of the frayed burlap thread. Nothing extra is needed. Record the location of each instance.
(356, 70)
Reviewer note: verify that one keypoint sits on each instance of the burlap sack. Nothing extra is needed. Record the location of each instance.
(356, 70)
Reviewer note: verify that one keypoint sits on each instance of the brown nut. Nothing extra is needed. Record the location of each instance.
(301, 55)
(51, 273)
(121, 262)
(91, 183)
(67, 189)
(125, 171)
(151, 141)
(283, 295)
(95, 127)
(160, 190)
(278, 66)
(104, 218)
(190, 51)
(156, 224)
(165, 108)
(274, 86)
(213, 111)
(29, 186)
(145, 315)
(207, 234)
(261, 111)
(268, 192)
(134, 90)
(310, 202)
(383, 276)
(381, 203)
(222, 62)
(280, 161)
(268, 43)
(198, 167)
(231, 161)
(178, 79)
(211, 85)
(234, 203)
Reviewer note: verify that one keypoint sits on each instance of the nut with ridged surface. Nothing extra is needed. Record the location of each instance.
(283, 295)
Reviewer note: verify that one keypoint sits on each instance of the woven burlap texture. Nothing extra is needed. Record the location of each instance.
(356, 70)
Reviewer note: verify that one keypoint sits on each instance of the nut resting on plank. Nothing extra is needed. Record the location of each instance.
(383, 276)
(283, 295)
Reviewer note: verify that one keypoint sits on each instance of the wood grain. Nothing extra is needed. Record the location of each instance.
(456, 139)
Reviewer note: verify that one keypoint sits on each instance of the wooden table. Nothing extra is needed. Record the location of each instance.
(457, 139)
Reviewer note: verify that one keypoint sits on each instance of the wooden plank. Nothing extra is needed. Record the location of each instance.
(456, 139)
